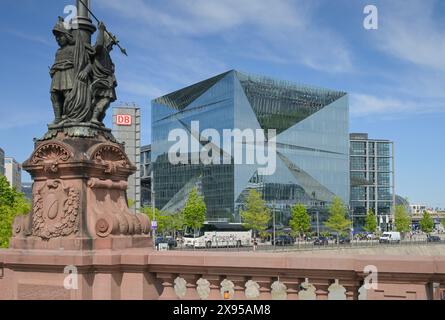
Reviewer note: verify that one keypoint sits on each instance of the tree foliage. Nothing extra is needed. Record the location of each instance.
(130, 202)
(194, 211)
(370, 222)
(300, 221)
(402, 220)
(168, 223)
(12, 204)
(257, 215)
(337, 221)
(426, 223)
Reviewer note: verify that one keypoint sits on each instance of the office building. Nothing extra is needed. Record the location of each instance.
(312, 145)
(372, 180)
(2, 162)
(146, 176)
(13, 172)
(127, 130)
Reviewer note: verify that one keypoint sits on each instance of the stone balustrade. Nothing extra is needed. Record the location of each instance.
(148, 274)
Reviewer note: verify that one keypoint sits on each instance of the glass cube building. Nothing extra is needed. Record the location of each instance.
(312, 145)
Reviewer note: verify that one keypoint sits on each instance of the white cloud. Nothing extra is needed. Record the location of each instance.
(362, 105)
(410, 32)
(280, 31)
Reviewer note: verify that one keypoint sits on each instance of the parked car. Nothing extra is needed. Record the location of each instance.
(170, 241)
(390, 237)
(343, 240)
(283, 240)
(433, 239)
(321, 241)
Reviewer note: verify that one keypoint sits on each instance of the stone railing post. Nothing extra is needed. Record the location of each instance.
(239, 282)
(215, 281)
(191, 293)
(265, 290)
(167, 280)
(293, 287)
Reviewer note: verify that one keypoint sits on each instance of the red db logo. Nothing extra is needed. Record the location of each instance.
(123, 120)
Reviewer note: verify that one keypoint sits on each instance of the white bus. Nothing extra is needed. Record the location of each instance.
(216, 239)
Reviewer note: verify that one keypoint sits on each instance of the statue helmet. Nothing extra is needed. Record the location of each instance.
(59, 28)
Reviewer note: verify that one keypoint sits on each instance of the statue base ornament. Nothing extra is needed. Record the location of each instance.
(79, 194)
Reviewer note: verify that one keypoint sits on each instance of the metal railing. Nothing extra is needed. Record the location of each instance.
(310, 246)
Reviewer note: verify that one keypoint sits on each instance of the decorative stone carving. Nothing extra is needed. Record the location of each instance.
(252, 290)
(203, 288)
(279, 291)
(56, 210)
(111, 156)
(180, 287)
(227, 287)
(336, 291)
(50, 155)
(109, 212)
(307, 291)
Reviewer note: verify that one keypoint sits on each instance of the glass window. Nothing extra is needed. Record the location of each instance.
(371, 193)
(383, 149)
(371, 148)
(358, 175)
(358, 148)
(384, 178)
(358, 163)
(383, 164)
(358, 193)
(384, 193)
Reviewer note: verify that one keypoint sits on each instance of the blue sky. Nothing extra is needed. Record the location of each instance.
(395, 75)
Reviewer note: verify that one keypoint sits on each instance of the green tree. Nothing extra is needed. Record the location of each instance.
(167, 222)
(443, 223)
(130, 202)
(194, 211)
(12, 204)
(426, 223)
(337, 221)
(402, 220)
(300, 221)
(257, 215)
(370, 222)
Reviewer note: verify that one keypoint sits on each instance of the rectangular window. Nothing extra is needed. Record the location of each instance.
(384, 193)
(358, 148)
(358, 163)
(383, 178)
(358, 193)
(371, 193)
(383, 164)
(383, 149)
(371, 148)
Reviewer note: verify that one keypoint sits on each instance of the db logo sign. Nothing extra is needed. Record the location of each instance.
(123, 120)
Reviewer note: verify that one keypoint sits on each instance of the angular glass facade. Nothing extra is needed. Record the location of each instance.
(312, 144)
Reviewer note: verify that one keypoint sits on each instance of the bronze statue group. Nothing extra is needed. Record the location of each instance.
(83, 81)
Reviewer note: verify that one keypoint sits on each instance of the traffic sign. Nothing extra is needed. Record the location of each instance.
(154, 225)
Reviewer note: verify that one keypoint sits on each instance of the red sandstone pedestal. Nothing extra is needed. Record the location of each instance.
(79, 194)
(79, 222)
